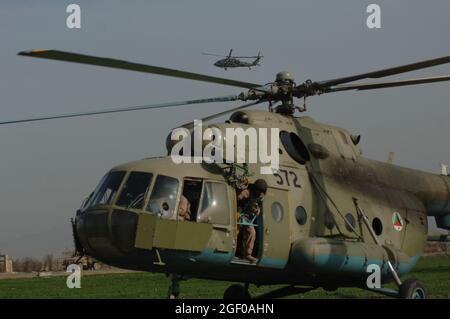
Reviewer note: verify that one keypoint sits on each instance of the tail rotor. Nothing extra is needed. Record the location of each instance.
(258, 59)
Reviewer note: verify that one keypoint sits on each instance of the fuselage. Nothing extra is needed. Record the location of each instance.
(234, 63)
(304, 235)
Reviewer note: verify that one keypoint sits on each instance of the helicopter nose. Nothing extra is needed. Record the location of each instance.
(107, 234)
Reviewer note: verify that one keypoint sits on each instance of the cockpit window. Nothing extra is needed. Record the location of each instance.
(134, 190)
(164, 195)
(104, 194)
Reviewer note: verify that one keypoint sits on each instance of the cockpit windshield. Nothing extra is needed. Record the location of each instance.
(134, 190)
(163, 199)
(105, 191)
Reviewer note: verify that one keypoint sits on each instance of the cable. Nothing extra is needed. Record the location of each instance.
(321, 189)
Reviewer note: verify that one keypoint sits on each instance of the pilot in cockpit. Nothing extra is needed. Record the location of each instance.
(184, 209)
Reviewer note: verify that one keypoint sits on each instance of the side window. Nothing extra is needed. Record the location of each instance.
(192, 191)
(134, 190)
(214, 207)
(164, 196)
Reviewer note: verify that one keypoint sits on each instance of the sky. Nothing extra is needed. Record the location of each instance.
(48, 168)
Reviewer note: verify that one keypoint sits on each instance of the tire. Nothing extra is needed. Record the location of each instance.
(412, 289)
(236, 291)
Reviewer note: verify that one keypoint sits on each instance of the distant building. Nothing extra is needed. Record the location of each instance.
(6, 264)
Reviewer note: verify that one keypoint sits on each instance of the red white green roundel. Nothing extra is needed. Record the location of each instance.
(397, 221)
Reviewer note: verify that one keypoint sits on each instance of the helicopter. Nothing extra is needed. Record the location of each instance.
(328, 212)
(234, 62)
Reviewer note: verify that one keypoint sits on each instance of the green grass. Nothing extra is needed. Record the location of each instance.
(434, 272)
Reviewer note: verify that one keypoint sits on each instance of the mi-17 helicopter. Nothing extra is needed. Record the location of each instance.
(328, 212)
(230, 61)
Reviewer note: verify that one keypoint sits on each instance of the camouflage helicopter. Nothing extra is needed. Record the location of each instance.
(230, 61)
(327, 215)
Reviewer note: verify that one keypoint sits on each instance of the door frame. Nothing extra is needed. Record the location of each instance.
(275, 237)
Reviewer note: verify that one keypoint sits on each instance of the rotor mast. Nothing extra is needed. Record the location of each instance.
(281, 90)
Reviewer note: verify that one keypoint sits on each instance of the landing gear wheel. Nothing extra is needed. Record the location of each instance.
(412, 289)
(236, 291)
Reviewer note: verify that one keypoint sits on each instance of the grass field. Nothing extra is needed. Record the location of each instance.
(434, 272)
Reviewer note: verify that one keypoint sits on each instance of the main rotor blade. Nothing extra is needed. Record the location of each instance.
(385, 72)
(190, 125)
(125, 109)
(382, 85)
(248, 57)
(125, 65)
(223, 56)
(238, 57)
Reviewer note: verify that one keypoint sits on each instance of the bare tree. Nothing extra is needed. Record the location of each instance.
(48, 262)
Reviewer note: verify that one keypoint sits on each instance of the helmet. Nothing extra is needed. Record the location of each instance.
(284, 77)
(260, 185)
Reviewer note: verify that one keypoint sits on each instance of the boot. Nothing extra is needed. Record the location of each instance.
(252, 259)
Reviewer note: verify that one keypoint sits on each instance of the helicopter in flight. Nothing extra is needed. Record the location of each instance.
(230, 61)
(328, 212)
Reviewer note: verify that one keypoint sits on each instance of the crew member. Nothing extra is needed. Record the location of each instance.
(184, 209)
(250, 205)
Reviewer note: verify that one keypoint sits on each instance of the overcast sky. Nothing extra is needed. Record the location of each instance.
(47, 168)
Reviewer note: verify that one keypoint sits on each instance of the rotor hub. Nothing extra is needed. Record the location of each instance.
(284, 76)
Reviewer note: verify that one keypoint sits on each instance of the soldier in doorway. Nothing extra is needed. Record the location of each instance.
(250, 199)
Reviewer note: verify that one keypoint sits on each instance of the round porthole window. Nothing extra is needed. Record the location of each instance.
(300, 215)
(350, 221)
(294, 146)
(277, 212)
(377, 226)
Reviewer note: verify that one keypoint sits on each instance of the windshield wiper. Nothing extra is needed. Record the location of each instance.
(137, 200)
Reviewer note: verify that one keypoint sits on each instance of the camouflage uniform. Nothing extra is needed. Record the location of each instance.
(250, 206)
